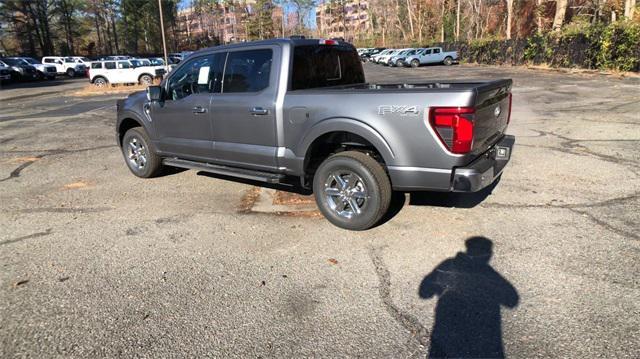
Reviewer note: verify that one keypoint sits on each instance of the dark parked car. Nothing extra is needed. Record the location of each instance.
(20, 70)
(366, 56)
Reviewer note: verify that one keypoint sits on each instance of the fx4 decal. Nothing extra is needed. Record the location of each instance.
(402, 110)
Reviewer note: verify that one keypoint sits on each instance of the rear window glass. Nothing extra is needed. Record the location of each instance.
(317, 66)
(247, 71)
(96, 65)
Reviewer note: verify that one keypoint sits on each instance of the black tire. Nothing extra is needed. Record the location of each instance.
(145, 79)
(152, 163)
(415, 63)
(448, 61)
(399, 63)
(100, 81)
(372, 182)
(71, 72)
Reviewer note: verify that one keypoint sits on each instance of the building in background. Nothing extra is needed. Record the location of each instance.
(348, 20)
(212, 24)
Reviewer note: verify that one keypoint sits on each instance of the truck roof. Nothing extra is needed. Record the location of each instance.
(277, 41)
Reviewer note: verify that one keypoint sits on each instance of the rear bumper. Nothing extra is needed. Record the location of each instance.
(479, 174)
(484, 170)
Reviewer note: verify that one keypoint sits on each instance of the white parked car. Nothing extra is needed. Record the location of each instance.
(102, 73)
(65, 65)
(378, 58)
(44, 70)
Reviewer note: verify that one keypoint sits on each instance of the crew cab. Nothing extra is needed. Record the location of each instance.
(102, 73)
(65, 65)
(432, 55)
(299, 111)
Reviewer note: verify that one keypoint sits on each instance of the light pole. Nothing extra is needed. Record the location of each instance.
(164, 42)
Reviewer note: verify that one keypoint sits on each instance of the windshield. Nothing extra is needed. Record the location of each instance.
(85, 59)
(136, 63)
(13, 62)
(30, 60)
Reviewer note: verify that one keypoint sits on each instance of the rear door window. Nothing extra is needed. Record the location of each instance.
(247, 71)
(316, 66)
(110, 65)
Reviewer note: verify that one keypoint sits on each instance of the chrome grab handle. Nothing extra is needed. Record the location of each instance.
(259, 111)
(199, 109)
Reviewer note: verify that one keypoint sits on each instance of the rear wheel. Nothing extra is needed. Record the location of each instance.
(415, 63)
(145, 79)
(448, 61)
(352, 190)
(71, 72)
(100, 82)
(139, 153)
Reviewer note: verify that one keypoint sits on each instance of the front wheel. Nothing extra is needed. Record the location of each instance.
(399, 63)
(352, 190)
(139, 153)
(448, 61)
(71, 72)
(415, 63)
(145, 79)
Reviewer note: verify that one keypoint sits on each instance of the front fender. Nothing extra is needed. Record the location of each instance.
(346, 125)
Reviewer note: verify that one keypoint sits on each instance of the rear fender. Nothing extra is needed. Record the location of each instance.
(346, 125)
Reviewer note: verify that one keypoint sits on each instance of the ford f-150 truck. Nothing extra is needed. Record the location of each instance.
(300, 111)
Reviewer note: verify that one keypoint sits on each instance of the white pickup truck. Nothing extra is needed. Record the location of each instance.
(65, 65)
(102, 73)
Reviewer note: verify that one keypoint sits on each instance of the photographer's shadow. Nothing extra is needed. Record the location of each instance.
(470, 293)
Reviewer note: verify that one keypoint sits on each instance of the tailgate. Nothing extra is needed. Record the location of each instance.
(493, 102)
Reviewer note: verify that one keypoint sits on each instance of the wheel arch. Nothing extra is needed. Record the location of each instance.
(143, 74)
(125, 125)
(94, 78)
(357, 134)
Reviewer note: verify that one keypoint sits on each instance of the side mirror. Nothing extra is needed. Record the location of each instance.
(154, 93)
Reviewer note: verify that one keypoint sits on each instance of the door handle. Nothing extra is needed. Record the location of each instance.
(259, 111)
(199, 109)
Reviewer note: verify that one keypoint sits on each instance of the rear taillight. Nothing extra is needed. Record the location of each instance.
(510, 101)
(454, 126)
(328, 42)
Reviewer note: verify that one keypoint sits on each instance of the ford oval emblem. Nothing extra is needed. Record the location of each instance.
(497, 111)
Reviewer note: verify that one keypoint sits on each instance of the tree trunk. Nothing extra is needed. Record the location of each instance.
(539, 10)
(629, 8)
(442, 23)
(561, 9)
(509, 17)
(458, 22)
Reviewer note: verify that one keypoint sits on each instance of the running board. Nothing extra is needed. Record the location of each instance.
(225, 170)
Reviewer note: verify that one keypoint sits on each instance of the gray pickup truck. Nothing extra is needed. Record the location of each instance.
(299, 111)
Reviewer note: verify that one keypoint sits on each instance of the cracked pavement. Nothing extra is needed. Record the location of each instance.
(98, 263)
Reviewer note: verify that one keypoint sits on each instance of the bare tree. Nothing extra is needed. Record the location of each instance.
(561, 10)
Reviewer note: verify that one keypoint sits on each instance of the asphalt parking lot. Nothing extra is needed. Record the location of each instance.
(98, 263)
